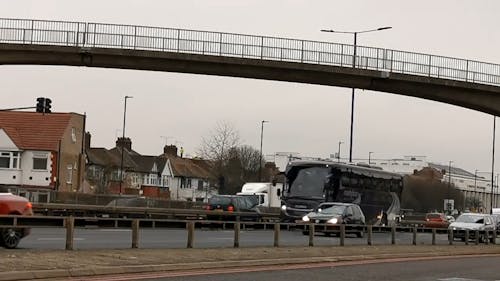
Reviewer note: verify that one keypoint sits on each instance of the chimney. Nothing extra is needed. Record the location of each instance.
(125, 143)
(87, 140)
(170, 150)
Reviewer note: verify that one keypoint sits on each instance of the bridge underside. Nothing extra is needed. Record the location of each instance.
(484, 98)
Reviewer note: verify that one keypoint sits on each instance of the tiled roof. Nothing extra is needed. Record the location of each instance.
(191, 168)
(144, 164)
(102, 157)
(35, 131)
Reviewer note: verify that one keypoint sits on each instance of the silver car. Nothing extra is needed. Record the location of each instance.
(473, 222)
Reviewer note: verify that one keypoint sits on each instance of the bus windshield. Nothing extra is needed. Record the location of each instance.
(310, 182)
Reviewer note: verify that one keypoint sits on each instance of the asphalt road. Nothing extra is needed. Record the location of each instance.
(120, 238)
(449, 269)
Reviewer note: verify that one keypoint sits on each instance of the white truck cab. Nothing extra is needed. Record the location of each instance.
(267, 193)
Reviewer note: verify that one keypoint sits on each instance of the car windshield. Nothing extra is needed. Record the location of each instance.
(331, 209)
(310, 182)
(470, 219)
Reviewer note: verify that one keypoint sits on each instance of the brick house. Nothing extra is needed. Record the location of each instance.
(41, 152)
(142, 174)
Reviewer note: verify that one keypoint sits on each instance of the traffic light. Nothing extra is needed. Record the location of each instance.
(40, 105)
(47, 105)
(43, 105)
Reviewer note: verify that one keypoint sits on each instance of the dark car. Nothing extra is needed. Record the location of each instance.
(13, 205)
(220, 205)
(333, 214)
(436, 220)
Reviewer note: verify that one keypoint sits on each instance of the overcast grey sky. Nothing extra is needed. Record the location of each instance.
(185, 107)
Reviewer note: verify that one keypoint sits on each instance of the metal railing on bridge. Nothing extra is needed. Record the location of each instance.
(81, 34)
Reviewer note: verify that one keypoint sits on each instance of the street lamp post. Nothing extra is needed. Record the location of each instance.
(123, 139)
(449, 184)
(492, 164)
(261, 138)
(475, 187)
(338, 154)
(355, 33)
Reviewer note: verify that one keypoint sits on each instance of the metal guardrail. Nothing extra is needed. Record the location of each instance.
(51, 209)
(81, 34)
(310, 229)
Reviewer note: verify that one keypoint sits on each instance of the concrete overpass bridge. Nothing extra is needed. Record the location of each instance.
(466, 83)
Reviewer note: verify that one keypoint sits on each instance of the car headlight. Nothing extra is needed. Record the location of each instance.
(283, 207)
(454, 228)
(305, 218)
(333, 221)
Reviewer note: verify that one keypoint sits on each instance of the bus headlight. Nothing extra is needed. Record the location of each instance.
(305, 218)
(333, 221)
(283, 207)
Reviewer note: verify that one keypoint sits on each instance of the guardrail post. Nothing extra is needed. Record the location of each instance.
(276, 235)
(486, 237)
(494, 240)
(450, 236)
(369, 236)
(135, 234)
(466, 237)
(311, 235)
(433, 236)
(414, 240)
(393, 235)
(236, 234)
(342, 234)
(190, 238)
(477, 237)
(70, 232)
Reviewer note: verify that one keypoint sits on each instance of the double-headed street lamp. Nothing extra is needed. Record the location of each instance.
(355, 33)
(261, 138)
(123, 139)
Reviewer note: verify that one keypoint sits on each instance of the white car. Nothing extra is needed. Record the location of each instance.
(473, 222)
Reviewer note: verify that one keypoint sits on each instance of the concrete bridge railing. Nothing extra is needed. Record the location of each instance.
(98, 35)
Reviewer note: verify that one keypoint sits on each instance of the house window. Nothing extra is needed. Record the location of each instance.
(10, 159)
(183, 182)
(73, 135)
(200, 185)
(189, 183)
(69, 178)
(39, 162)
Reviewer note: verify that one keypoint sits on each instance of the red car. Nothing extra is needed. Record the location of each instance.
(13, 205)
(436, 220)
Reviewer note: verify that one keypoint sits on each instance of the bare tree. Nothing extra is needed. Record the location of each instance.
(249, 158)
(217, 145)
